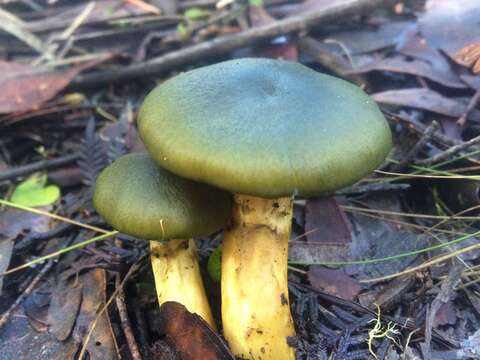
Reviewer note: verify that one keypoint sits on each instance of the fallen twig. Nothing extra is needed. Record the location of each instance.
(227, 43)
(125, 321)
(424, 139)
(12, 173)
(471, 105)
(444, 155)
(104, 307)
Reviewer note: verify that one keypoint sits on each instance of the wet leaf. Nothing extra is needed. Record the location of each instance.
(35, 192)
(450, 25)
(415, 67)
(190, 335)
(25, 87)
(425, 99)
(334, 282)
(36, 309)
(63, 309)
(13, 222)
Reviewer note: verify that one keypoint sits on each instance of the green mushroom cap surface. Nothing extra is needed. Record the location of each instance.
(139, 198)
(264, 127)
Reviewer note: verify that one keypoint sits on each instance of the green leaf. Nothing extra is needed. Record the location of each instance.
(34, 192)
(195, 14)
(256, 2)
(214, 265)
(182, 30)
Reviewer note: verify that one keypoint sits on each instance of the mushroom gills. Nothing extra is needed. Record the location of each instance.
(177, 276)
(255, 305)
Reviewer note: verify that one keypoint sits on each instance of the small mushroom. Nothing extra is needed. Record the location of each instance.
(139, 198)
(265, 130)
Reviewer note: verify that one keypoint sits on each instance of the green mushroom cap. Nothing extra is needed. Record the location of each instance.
(263, 127)
(139, 198)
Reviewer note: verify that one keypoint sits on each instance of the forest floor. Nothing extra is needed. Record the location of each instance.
(393, 271)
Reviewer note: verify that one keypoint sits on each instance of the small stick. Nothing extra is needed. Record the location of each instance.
(427, 135)
(449, 152)
(12, 173)
(6, 315)
(437, 136)
(471, 105)
(125, 321)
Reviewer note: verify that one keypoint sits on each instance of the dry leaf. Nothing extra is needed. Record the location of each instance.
(190, 335)
(469, 56)
(101, 345)
(425, 99)
(334, 282)
(325, 223)
(415, 67)
(25, 87)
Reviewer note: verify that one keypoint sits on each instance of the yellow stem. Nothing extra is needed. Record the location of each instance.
(177, 276)
(255, 306)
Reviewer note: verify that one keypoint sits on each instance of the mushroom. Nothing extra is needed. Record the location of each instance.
(139, 198)
(265, 130)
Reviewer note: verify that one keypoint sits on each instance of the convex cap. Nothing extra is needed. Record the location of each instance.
(139, 198)
(264, 127)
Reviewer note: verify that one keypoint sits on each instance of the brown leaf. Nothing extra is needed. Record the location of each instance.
(415, 67)
(101, 345)
(325, 223)
(469, 56)
(334, 282)
(190, 335)
(327, 231)
(63, 309)
(446, 315)
(25, 87)
(425, 99)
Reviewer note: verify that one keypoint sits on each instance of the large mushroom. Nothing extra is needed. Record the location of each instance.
(265, 130)
(139, 198)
